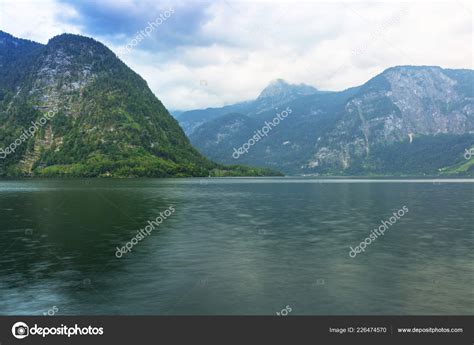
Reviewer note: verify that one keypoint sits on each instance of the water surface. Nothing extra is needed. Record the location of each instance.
(236, 246)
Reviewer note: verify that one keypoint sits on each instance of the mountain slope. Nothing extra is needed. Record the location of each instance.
(407, 120)
(276, 93)
(102, 119)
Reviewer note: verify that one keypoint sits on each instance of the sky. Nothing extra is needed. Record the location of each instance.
(198, 54)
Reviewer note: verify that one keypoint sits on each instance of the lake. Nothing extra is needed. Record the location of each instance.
(241, 246)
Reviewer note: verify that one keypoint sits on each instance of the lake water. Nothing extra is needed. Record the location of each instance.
(236, 246)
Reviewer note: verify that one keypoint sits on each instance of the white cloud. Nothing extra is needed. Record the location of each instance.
(37, 20)
(328, 45)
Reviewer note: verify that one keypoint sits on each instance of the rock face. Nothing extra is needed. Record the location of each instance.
(407, 120)
(104, 118)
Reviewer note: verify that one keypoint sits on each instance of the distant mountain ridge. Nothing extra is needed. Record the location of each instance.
(412, 120)
(277, 92)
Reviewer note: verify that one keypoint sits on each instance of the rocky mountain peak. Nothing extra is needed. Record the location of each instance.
(280, 88)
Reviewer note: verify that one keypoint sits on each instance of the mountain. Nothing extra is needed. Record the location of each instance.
(276, 93)
(72, 108)
(280, 92)
(411, 120)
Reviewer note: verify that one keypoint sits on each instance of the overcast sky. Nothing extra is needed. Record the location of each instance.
(211, 53)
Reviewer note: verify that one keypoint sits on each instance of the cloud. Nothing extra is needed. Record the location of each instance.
(36, 20)
(212, 53)
(118, 20)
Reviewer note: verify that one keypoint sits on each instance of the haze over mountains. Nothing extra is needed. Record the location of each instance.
(103, 119)
(412, 120)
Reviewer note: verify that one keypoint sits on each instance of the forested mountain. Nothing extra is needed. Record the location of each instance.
(72, 108)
